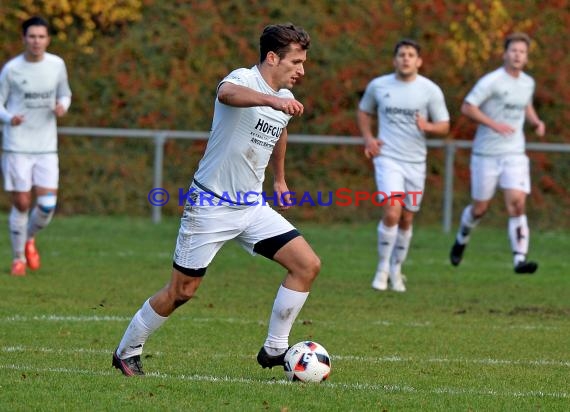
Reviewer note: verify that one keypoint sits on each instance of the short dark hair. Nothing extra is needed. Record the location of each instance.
(407, 42)
(278, 37)
(34, 21)
(514, 37)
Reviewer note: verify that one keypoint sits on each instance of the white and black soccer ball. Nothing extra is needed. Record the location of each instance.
(307, 361)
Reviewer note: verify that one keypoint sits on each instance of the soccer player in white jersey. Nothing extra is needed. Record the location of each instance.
(408, 106)
(249, 130)
(500, 102)
(34, 91)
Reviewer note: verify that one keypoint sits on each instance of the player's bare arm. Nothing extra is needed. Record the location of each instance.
(533, 119)
(475, 114)
(372, 145)
(278, 165)
(424, 125)
(241, 96)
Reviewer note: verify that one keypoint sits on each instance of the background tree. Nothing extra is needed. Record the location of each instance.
(152, 64)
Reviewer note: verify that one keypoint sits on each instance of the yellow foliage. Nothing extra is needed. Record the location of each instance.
(78, 20)
(474, 43)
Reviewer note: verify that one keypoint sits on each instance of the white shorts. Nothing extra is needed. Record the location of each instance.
(205, 229)
(395, 179)
(23, 171)
(506, 171)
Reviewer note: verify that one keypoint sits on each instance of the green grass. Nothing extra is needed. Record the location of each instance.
(477, 337)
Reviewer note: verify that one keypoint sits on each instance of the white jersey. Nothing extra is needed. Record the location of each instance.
(241, 142)
(504, 99)
(396, 103)
(32, 89)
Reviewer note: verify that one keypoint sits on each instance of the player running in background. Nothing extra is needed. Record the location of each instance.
(408, 106)
(500, 101)
(251, 113)
(34, 91)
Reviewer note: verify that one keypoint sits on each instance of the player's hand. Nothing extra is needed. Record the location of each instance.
(422, 123)
(372, 147)
(17, 120)
(59, 110)
(283, 196)
(291, 107)
(503, 129)
(540, 128)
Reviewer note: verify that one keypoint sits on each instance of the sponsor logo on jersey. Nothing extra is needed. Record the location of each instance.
(400, 110)
(268, 134)
(509, 106)
(268, 129)
(38, 95)
(400, 115)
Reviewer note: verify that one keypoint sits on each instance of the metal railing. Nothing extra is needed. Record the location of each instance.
(160, 136)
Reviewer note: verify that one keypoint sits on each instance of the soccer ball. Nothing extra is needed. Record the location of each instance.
(307, 361)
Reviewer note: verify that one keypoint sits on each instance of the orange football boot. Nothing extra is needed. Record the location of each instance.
(18, 268)
(32, 255)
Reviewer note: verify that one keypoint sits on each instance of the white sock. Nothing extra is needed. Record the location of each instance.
(145, 322)
(400, 251)
(38, 220)
(519, 234)
(287, 305)
(468, 222)
(17, 222)
(386, 241)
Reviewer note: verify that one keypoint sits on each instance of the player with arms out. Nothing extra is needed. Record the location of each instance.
(500, 102)
(408, 106)
(251, 113)
(34, 91)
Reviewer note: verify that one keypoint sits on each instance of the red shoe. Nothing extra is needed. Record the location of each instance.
(18, 268)
(32, 255)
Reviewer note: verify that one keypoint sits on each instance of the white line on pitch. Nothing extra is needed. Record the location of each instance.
(489, 361)
(355, 386)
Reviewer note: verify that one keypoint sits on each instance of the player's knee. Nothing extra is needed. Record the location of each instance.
(46, 203)
(306, 270)
(313, 267)
(478, 215)
(517, 207)
(406, 221)
(516, 211)
(392, 216)
(478, 211)
(186, 290)
(23, 205)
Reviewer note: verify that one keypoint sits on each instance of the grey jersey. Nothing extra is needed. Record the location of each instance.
(241, 142)
(504, 99)
(396, 103)
(32, 89)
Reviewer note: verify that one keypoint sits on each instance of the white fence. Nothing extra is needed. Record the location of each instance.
(160, 136)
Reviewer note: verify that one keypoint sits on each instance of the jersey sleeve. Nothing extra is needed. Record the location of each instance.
(63, 92)
(368, 102)
(482, 90)
(240, 77)
(5, 116)
(436, 107)
(532, 87)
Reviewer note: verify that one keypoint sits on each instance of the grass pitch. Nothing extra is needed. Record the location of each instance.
(477, 337)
